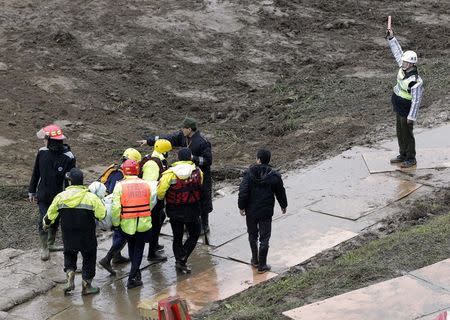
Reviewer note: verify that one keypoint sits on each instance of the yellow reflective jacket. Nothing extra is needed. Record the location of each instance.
(133, 225)
(75, 197)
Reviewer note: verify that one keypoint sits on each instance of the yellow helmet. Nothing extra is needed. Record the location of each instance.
(163, 146)
(132, 154)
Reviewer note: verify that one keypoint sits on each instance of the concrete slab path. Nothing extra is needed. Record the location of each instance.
(421, 294)
(328, 203)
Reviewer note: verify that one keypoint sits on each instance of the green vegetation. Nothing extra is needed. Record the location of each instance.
(407, 249)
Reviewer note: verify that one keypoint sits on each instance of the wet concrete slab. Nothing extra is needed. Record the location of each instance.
(402, 298)
(222, 281)
(295, 238)
(116, 302)
(364, 196)
(437, 273)
(224, 221)
(426, 159)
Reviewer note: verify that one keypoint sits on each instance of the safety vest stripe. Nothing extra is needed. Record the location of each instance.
(80, 206)
(135, 215)
(137, 206)
(143, 210)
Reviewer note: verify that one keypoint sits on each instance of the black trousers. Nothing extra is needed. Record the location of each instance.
(136, 244)
(259, 228)
(181, 250)
(157, 222)
(89, 260)
(405, 137)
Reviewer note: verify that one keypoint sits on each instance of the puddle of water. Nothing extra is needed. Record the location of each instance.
(295, 238)
(224, 280)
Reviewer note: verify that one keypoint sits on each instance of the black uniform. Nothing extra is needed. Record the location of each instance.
(48, 178)
(202, 157)
(257, 192)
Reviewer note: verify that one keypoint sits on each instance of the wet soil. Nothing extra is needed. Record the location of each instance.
(307, 79)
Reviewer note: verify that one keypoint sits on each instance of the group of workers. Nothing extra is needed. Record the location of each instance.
(144, 189)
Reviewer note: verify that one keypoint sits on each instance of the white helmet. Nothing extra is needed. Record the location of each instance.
(98, 189)
(409, 56)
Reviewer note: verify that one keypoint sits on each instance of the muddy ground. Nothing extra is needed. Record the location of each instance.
(305, 78)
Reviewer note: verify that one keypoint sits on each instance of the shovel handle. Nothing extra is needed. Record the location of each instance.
(389, 23)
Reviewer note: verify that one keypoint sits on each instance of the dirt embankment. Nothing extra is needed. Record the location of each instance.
(305, 78)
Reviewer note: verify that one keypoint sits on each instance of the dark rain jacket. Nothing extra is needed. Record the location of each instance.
(78, 209)
(50, 167)
(258, 189)
(202, 157)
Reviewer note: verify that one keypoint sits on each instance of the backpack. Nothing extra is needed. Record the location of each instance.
(104, 176)
(158, 161)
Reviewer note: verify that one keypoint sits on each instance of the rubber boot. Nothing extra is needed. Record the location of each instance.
(88, 288)
(51, 241)
(180, 265)
(118, 258)
(106, 264)
(254, 260)
(70, 285)
(45, 253)
(263, 266)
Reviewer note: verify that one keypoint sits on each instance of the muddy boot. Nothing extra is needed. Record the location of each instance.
(254, 260)
(88, 288)
(118, 258)
(181, 266)
(70, 285)
(263, 266)
(106, 264)
(51, 241)
(45, 253)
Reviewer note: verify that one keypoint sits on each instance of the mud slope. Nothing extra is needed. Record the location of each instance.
(306, 78)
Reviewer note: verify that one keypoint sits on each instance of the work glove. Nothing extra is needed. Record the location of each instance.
(389, 34)
(45, 227)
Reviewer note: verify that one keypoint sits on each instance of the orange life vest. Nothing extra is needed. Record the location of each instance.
(135, 199)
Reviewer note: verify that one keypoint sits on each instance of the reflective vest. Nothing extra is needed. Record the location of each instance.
(185, 191)
(135, 199)
(402, 87)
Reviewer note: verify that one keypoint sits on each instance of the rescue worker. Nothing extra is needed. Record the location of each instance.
(406, 100)
(110, 177)
(133, 200)
(256, 200)
(78, 208)
(181, 186)
(52, 163)
(190, 137)
(152, 170)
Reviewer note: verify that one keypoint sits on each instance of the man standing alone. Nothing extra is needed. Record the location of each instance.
(256, 200)
(406, 100)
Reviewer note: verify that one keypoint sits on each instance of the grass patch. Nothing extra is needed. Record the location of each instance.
(405, 250)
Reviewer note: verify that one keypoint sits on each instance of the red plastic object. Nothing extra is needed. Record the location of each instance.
(443, 316)
(173, 308)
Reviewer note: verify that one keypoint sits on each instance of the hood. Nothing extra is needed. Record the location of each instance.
(183, 169)
(73, 195)
(262, 173)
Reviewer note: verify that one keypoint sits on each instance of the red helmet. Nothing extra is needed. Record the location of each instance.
(51, 131)
(130, 167)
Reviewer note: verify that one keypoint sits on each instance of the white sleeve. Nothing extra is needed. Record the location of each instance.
(416, 93)
(396, 50)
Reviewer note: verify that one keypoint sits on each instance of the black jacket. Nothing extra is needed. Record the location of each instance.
(50, 167)
(202, 157)
(258, 189)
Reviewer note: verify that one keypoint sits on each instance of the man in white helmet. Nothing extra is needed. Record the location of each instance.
(406, 100)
